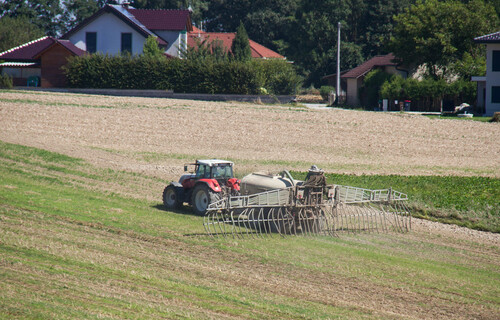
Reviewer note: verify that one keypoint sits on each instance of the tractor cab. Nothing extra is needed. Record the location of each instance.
(211, 169)
(208, 182)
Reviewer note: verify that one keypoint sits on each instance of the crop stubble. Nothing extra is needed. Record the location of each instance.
(257, 137)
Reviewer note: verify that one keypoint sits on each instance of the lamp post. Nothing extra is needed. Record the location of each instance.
(338, 65)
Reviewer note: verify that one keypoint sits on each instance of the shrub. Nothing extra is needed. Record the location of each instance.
(278, 76)
(428, 91)
(324, 91)
(204, 74)
(5, 81)
(370, 90)
(496, 117)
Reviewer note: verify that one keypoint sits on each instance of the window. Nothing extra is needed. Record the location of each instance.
(91, 41)
(496, 61)
(126, 42)
(202, 172)
(495, 94)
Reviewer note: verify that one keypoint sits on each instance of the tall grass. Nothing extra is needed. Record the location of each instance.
(473, 202)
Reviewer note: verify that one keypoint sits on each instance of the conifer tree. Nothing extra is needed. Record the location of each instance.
(241, 46)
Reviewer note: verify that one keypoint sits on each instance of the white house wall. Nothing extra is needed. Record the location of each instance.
(492, 79)
(108, 29)
(352, 92)
(174, 41)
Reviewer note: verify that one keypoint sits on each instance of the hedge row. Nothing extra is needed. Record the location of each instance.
(182, 75)
(399, 88)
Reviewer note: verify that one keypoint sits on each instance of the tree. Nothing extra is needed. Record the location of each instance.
(470, 65)
(47, 15)
(435, 33)
(378, 23)
(267, 21)
(150, 47)
(16, 31)
(79, 10)
(370, 90)
(241, 46)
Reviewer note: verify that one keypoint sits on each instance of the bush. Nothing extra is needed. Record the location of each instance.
(428, 91)
(496, 117)
(5, 81)
(370, 90)
(324, 91)
(199, 75)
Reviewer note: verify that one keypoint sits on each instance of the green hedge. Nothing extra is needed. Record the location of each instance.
(181, 75)
(324, 91)
(5, 81)
(428, 89)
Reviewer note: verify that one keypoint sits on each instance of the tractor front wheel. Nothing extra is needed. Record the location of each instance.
(170, 198)
(202, 196)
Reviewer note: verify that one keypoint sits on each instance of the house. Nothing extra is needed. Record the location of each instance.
(488, 87)
(41, 59)
(113, 29)
(352, 80)
(225, 39)
(118, 28)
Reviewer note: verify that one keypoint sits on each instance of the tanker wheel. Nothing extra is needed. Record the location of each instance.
(202, 196)
(170, 198)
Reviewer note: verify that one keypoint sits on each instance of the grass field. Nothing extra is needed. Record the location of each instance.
(481, 119)
(472, 202)
(71, 247)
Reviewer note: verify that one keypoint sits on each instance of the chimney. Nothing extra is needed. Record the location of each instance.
(125, 4)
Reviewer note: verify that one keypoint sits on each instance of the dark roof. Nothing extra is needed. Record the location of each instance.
(32, 50)
(364, 68)
(121, 13)
(489, 38)
(176, 20)
(27, 51)
(66, 44)
(71, 47)
(258, 50)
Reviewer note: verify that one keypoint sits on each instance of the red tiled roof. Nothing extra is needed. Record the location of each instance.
(163, 19)
(489, 38)
(197, 30)
(31, 50)
(263, 52)
(27, 51)
(258, 50)
(365, 67)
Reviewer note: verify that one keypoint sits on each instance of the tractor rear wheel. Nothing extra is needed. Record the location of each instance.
(170, 198)
(200, 199)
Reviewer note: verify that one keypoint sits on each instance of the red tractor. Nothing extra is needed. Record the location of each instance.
(211, 180)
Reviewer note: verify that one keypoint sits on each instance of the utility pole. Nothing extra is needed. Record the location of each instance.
(338, 66)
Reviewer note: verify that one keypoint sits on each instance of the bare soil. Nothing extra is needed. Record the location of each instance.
(156, 136)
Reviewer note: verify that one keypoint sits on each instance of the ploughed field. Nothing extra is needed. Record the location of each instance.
(157, 136)
(83, 233)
